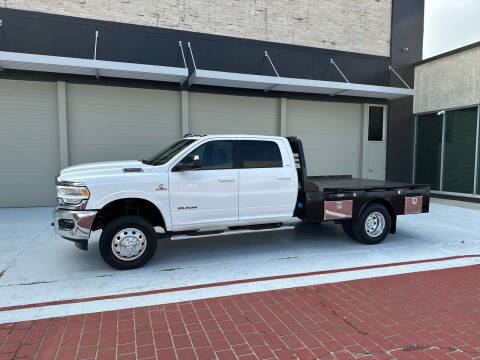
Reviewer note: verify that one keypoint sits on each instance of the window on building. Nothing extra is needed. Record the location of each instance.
(260, 154)
(428, 150)
(459, 152)
(375, 123)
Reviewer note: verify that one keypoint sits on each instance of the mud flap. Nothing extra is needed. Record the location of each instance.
(393, 226)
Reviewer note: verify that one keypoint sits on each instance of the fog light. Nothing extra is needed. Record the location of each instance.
(66, 224)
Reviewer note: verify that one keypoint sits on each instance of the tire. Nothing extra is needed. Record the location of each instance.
(347, 228)
(378, 227)
(123, 231)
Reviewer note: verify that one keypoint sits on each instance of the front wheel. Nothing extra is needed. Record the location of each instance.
(128, 242)
(373, 225)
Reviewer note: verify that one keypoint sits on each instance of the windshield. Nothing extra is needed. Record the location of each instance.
(165, 155)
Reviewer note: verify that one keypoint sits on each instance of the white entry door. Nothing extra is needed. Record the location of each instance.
(374, 142)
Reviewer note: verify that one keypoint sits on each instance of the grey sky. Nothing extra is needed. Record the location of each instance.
(450, 24)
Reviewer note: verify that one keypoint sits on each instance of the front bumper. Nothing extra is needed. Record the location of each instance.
(73, 225)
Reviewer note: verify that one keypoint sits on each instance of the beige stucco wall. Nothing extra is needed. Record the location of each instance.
(449, 82)
(350, 25)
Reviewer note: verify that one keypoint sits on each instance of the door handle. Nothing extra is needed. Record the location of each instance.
(284, 177)
(226, 179)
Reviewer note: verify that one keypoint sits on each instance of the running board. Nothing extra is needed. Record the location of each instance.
(228, 232)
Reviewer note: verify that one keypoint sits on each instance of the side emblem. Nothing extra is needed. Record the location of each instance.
(161, 187)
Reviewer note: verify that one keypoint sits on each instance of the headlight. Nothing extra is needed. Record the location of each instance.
(72, 194)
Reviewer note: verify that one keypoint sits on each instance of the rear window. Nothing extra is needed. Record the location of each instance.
(259, 154)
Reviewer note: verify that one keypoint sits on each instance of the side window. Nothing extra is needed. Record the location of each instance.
(215, 154)
(260, 154)
(375, 123)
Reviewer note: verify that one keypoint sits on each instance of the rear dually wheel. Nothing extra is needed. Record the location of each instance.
(373, 225)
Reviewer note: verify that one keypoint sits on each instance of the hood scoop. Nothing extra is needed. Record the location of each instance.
(132, 170)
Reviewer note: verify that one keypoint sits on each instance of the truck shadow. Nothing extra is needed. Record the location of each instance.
(304, 238)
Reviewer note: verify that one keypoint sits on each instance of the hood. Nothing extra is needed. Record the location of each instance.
(81, 173)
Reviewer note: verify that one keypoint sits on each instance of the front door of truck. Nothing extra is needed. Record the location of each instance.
(208, 194)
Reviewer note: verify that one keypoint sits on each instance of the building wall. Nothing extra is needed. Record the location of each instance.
(449, 82)
(350, 25)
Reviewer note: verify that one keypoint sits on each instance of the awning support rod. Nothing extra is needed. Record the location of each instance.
(189, 77)
(183, 54)
(95, 52)
(271, 63)
(274, 69)
(403, 81)
(191, 54)
(338, 69)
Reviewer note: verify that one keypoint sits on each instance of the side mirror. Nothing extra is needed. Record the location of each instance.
(190, 162)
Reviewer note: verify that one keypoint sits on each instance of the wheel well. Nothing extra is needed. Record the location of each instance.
(130, 206)
(390, 209)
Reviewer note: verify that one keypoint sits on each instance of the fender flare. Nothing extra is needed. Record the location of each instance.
(162, 208)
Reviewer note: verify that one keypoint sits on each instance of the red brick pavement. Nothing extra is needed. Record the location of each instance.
(426, 315)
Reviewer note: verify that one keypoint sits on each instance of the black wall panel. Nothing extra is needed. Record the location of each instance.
(407, 32)
(57, 35)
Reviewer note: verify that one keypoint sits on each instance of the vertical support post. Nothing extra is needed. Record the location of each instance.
(184, 113)
(62, 123)
(444, 126)
(415, 124)
(477, 148)
(283, 117)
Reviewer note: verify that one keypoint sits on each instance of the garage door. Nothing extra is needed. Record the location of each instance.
(227, 114)
(118, 123)
(29, 159)
(331, 135)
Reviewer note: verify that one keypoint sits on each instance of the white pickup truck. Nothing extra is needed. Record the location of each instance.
(217, 184)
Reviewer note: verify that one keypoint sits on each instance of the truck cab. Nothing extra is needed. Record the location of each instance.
(200, 186)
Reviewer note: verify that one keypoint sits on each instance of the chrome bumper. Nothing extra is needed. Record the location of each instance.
(73, 224)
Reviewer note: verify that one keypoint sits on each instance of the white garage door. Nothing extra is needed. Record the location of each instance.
(331, 134)
(29, 158)
(119, 123)
(227, 114)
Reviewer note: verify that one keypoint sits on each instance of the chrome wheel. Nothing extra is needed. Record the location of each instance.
(129, 244)
(375, 224)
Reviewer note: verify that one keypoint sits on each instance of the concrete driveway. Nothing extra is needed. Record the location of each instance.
(36, 266)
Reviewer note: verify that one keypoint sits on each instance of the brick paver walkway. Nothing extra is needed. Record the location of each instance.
(427, 315)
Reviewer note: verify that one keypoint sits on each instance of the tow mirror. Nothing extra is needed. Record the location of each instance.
(189, 162)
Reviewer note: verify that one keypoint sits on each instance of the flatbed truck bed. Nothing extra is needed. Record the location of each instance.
(346, 199)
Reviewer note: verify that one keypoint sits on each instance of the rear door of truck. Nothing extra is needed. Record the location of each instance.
(267, 182)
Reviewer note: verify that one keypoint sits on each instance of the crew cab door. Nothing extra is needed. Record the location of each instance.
(267, 181)
(209, 193)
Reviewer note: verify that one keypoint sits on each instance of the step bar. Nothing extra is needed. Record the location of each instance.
(228, 232)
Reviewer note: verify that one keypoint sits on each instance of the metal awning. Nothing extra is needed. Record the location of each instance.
(276, 83)
(58, 64)
(279, 83)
